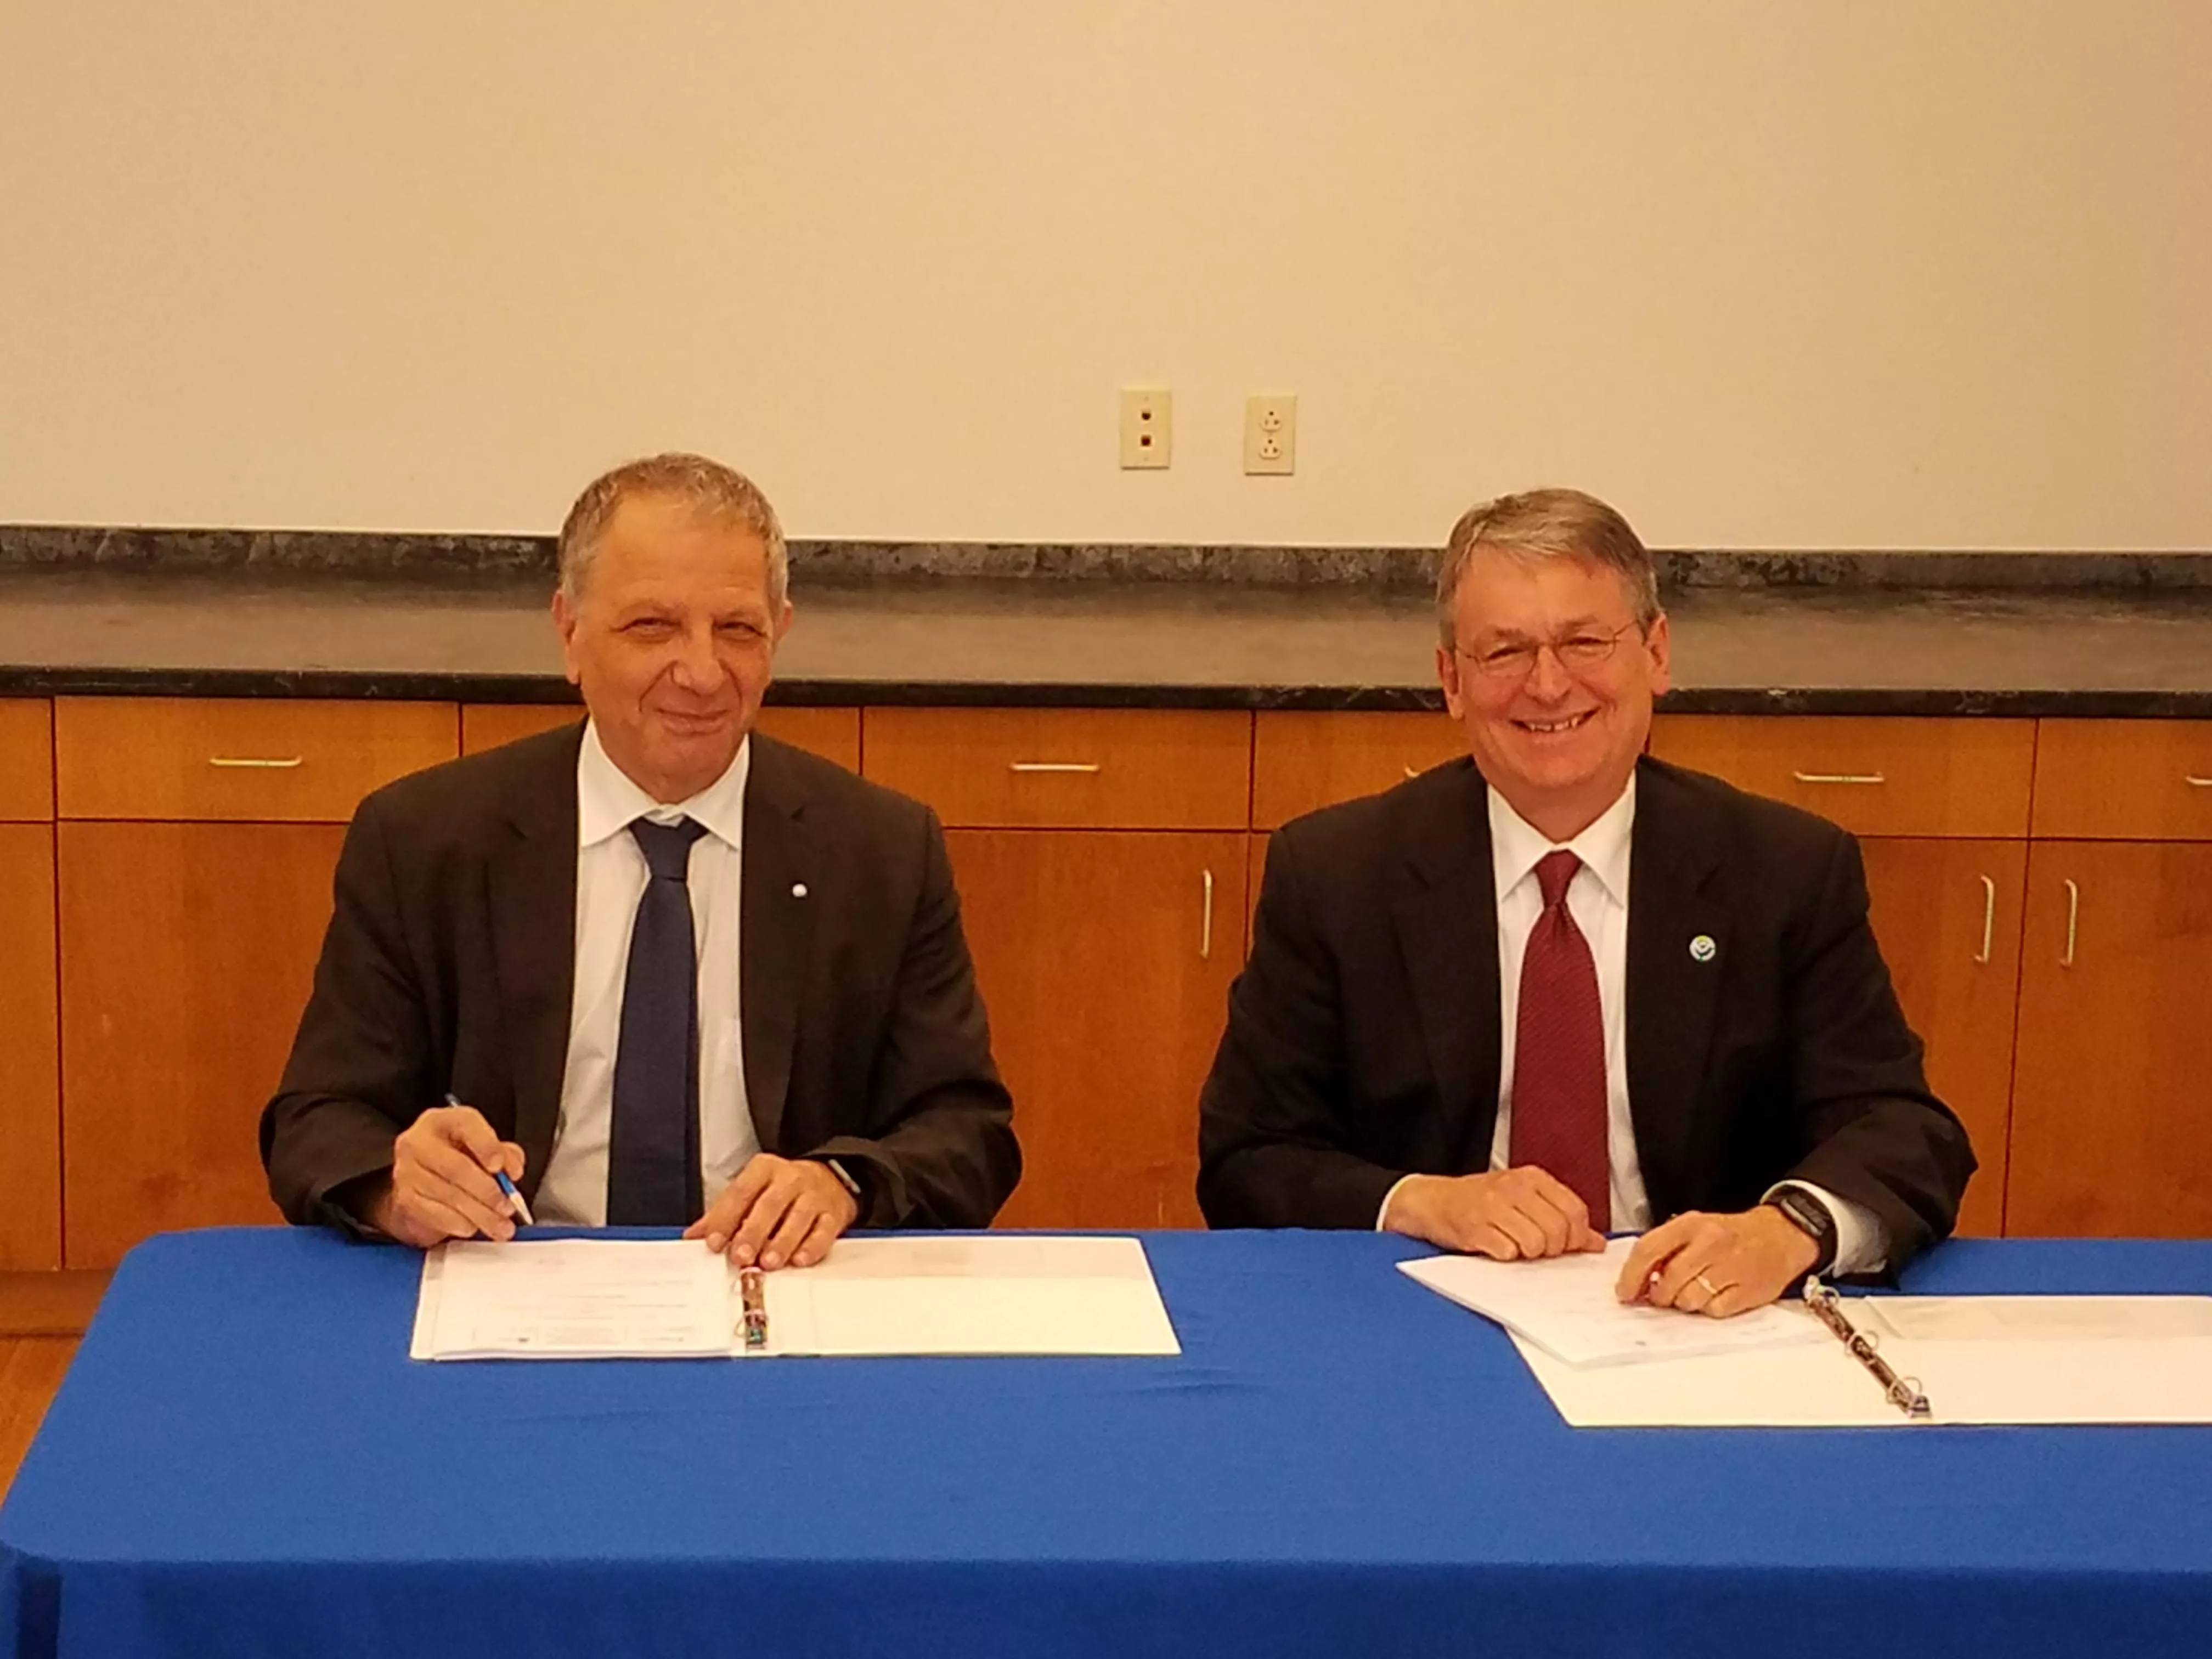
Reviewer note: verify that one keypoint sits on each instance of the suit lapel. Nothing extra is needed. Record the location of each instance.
(1673, 978)
(534, 915)
(776, 930)
(1448, 932)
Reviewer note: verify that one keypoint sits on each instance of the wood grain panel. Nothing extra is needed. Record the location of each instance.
(2109, 1133)
(50, 1304)
(832, 734)
(2124, 780)
(1301, 761)
(270, 761)
(1107, 998)
(31, 1372)
(1097, 769)
(30, 1052)
(187, 950)
(1948, 914)
(1876, 777)
(27, 759)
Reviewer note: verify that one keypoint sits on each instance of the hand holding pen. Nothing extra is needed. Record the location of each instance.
(452, 1177)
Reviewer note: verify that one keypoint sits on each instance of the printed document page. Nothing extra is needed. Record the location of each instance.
(1565, 1306)
(904, 1294)
(1978, 1359)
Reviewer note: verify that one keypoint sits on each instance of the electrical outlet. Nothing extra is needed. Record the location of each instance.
(1270, 433)
(1147, 426)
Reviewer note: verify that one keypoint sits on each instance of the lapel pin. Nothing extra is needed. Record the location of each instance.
(1702, 948)
(798, 890)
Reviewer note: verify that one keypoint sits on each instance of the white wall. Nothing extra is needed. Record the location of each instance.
(1918, 273)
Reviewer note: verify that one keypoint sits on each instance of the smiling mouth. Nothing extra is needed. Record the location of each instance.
(1548, 728)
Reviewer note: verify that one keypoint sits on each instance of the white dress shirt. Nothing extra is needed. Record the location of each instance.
(1598, 899)
(611, 877)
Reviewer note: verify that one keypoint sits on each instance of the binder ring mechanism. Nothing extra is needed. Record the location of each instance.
(1902, 1392)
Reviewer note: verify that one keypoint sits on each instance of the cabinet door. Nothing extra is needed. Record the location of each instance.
(187, 950)
(1105, 958)
(1948, 914)
(2111, 1134)
(30, 1105)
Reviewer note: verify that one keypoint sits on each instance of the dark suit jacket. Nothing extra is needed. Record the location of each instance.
(450, 964)
(1363, 1037)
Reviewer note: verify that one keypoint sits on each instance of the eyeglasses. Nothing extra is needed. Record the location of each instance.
(1578, 654)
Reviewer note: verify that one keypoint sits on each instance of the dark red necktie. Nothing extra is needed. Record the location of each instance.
(1559, 1050)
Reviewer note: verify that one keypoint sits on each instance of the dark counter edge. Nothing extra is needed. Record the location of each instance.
(849, 693)
(416, 556)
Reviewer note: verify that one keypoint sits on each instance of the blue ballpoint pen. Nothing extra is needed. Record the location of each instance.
(514, 1196)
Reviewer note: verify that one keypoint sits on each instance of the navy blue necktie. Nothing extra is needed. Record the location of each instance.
(652, 1150)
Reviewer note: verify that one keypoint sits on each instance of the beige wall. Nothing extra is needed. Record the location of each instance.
(1921, 273)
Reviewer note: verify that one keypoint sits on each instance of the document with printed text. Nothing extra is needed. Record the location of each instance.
(672, 1298)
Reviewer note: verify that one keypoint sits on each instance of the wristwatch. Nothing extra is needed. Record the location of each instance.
(1810, 1217)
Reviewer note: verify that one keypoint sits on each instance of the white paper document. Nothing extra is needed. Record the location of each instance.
(1979, 1360)
(672, 1298)
(1565, 1306)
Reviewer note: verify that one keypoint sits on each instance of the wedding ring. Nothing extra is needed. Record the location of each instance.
(1711, 1289)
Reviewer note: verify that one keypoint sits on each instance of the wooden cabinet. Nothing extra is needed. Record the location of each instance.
(195, 855)
(30, 1055)
(2124, 780)
(1301, 761)
(1101, 857)
(832, 734)
(1948, 914)
(187, 952)
(1105, 960)
(1876, 777)
(1092, 768)
(30, 1082)
(2110, 1134)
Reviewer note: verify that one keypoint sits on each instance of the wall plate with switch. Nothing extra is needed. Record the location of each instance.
(1147, 426)
(1271, 432)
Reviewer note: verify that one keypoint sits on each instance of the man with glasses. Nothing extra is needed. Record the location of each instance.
(1561, 988)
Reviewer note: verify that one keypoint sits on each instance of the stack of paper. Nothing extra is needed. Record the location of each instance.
(673, 1298)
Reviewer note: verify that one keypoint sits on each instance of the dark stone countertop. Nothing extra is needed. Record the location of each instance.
(2133, 651)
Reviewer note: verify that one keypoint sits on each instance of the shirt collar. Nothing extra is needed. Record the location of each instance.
(608, 801)
(1516, 846)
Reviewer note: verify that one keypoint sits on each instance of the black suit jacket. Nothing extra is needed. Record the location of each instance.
(450, 964)
(1363, 1038)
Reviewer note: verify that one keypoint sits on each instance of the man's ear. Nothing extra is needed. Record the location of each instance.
(1655, 641)
(1448, 676)
(564, 624)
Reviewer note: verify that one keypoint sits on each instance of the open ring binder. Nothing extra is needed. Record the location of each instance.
(1903, 1392)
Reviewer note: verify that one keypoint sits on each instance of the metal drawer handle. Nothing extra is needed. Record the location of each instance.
(1085, 767)
(1989, 918)
(1838, 777)
(1206, 922)
(2073, 918)
(256, 763)
(2195, 782)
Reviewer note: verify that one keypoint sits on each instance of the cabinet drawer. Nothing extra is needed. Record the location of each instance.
(1105, 769)
(2124, 780)
(27, 760)
(1301, 761)
(1876, 777)
(266, 761)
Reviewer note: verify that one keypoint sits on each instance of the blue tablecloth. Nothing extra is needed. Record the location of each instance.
(243, 1461)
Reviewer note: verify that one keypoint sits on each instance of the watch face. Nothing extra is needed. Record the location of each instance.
(1807, 1212)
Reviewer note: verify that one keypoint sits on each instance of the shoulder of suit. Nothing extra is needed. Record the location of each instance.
(820, 782)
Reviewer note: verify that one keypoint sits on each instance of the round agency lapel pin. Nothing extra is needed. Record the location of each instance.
(1702, 948)
(798, 890)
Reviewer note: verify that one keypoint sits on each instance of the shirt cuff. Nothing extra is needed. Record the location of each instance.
(1382, 1214)
(1861, 1245)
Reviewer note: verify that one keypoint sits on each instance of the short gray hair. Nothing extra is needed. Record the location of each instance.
(715, 492)
(1546, 524)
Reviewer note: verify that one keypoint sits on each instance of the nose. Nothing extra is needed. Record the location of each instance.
(1548, 679)
(696, 667)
